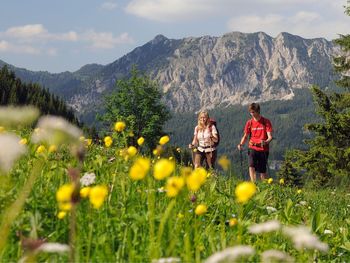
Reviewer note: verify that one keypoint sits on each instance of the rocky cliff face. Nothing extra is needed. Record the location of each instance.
(206, 72)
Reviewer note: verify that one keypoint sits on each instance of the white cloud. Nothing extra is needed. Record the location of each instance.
(26, 31)
(171, 10)
(109, 5)
(8, 47)
(106, 40)
(303, 23)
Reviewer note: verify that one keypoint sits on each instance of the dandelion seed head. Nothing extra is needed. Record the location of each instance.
(10, 150)
(269, 226)
(231, 254)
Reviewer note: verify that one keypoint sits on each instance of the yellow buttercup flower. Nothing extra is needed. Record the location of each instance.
(224, 162)
(41, 149)
(233, 222)
(64, 193)
(163, 168)
(65, 206)
(201, 209)
(85, 191)
(244, 191)
(88, 142)
(174, 185)
(164, 140)
(61, 214)
(196, 179)
(299, 191)
(119, 126)
(185, 171)
(140, 168)
(132, 151)
(269, 181)
(140, 141)
(97, 195)
(282, 181)
(23, 141)
(179, 216)
(108, 141)
(52, 148)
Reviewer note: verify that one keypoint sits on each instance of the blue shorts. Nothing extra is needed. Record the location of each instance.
(258, 160)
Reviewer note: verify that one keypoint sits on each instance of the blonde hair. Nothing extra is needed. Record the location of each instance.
(206, 114)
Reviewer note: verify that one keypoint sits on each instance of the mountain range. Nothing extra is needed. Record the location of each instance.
(202, 72)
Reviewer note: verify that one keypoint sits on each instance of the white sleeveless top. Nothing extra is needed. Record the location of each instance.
(205, 144)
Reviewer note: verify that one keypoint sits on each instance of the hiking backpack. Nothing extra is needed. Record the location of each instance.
(213, 123)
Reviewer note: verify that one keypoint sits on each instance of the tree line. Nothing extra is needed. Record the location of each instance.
(15, 92)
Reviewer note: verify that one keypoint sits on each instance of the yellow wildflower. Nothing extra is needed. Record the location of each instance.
(61, 214)
(132, 151)
(108, 141)
(97, 195)
(119, 126)
(64, 193)
(281, 181)
(41, 149)
(88, 142)
(233, 222)
(196, 179)
(85, 191)
(244, 191)
(185, 171)
(52, 148)
(174, 185)
(224, 162)
(65, 206)
(23, 141)
(163, 168)
(140, 168)
(299, 191)
(164, 140)
(269, 181)
(179, 216)
(140, 141)
(201, 209)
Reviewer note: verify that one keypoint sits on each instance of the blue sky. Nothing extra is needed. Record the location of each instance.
(62, 35)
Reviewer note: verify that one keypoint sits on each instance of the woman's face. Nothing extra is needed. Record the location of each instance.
(203, 118)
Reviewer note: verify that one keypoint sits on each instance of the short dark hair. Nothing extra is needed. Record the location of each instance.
(255, 107)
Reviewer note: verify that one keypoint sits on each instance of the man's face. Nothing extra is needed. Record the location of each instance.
(254, 113)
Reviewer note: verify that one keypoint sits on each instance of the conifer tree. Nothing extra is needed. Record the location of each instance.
(328, 155)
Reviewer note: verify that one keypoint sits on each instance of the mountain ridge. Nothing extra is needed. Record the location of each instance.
(203, 72)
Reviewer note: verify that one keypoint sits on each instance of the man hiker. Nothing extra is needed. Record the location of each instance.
(259, 131)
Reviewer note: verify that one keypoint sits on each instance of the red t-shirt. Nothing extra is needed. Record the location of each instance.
(258, 132)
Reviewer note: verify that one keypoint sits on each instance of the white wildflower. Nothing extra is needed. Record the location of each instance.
(265, 227)
(271, 209)
(88, 179)
(274, 255)
(10, 150)
(17, 116)
(166, 260)
(328, 232)
(56, 130)
(303, 238)
(53, 248)
(230, 254)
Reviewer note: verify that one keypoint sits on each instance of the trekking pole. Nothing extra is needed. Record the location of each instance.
(241, 160)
